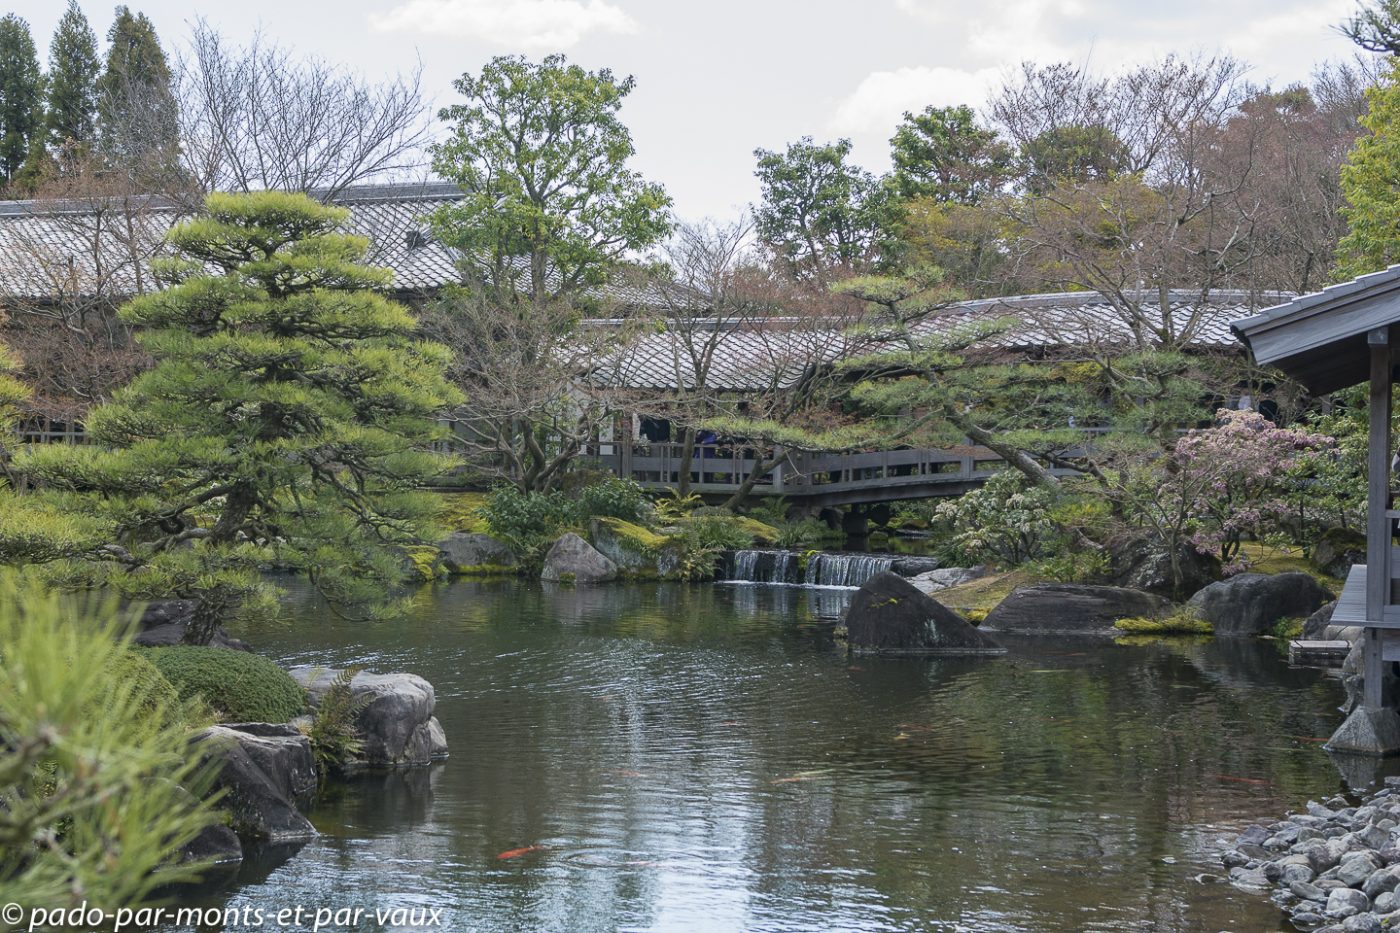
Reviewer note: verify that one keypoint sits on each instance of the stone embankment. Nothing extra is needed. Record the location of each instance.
(1334, 868)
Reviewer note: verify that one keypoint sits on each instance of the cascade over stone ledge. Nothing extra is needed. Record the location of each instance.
(889, 615)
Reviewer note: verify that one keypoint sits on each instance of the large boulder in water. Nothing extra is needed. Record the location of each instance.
(265, 771)
(1071, 609)
(574, 560)
(394, 718)
(888, 615)
(1253, 603)
(467, 553)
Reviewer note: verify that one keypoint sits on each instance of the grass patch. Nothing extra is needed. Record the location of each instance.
(1181, 623)
(1289, 629)
(983, 594)
(1266, 558)
(461, 511)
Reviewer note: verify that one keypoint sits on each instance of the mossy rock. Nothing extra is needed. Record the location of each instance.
(639, 553)
(984, 594)
(421, 563)
(237, 685)
(1337, 549)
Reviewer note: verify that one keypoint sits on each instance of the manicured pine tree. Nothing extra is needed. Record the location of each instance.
(21, 94)
(288, 419)
(73, 71)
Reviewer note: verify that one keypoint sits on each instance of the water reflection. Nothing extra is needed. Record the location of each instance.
(702, 757)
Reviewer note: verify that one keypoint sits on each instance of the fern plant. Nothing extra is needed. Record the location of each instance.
(674, 507)
(335, 740)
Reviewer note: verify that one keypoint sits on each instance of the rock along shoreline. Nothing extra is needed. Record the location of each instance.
(1334, 868)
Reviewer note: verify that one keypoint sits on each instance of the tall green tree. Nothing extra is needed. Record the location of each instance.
(138, 120)
(552, 206)
(820, 212)
(73, 69)
(21, 94)
(1371, 185)
(943, 154)
(1076, 154)
(288, 419)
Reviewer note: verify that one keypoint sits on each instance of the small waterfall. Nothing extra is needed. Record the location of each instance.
(762, 566)
(771, 566)
(845, 569)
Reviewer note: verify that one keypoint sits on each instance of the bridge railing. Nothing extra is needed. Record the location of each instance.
(723, 468)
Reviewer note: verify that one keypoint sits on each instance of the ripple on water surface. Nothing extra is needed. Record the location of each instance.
(702, 757)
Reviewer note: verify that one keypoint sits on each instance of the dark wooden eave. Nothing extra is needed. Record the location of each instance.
(1321, 339)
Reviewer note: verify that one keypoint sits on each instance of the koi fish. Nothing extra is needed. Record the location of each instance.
(802, 776)
(1254, 782)
(516, 853)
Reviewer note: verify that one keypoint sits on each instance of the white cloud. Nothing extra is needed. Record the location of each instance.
(528, 25)
(882, 97)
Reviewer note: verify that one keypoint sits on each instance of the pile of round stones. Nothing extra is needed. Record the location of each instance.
(1335, 868)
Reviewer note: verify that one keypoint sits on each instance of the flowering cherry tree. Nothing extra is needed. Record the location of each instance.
(1233, 480)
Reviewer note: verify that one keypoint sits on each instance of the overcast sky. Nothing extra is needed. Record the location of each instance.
(717, 78)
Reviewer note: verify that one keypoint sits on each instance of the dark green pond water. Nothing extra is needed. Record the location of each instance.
(703, 758)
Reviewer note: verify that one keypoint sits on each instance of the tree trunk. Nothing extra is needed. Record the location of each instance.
(761, 468)
(687, 455)
(1018, 458)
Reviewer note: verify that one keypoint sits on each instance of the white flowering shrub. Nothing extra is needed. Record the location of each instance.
(1007, 521)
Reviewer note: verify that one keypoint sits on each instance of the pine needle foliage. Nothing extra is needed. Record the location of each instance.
(289, 419)
(98, 779)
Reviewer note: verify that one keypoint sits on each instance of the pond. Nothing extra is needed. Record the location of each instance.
(674, 757)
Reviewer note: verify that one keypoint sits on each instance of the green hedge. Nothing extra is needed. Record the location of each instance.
(153, 694)
(241, 687)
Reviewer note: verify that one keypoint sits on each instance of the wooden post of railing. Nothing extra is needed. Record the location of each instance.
(1378, 524)
(624, 447)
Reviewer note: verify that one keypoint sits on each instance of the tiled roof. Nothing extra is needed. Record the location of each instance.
(776, 355)
(750, 358)
(57, 247)
(1079, 318)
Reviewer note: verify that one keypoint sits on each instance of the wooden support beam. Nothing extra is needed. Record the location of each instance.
(1378, 526)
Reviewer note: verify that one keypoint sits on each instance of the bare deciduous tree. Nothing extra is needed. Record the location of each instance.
(1218, 184)
(531, 409)
(76, 253)
(256, 117)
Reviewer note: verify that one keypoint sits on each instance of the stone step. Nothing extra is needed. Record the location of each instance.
(1310, 653)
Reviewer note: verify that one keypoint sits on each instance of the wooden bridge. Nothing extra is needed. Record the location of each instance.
(813, 480)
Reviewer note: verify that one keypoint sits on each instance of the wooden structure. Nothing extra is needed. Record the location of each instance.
(810, 479)
(1340, 337)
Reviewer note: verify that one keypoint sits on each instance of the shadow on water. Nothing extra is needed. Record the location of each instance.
(703, 757)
